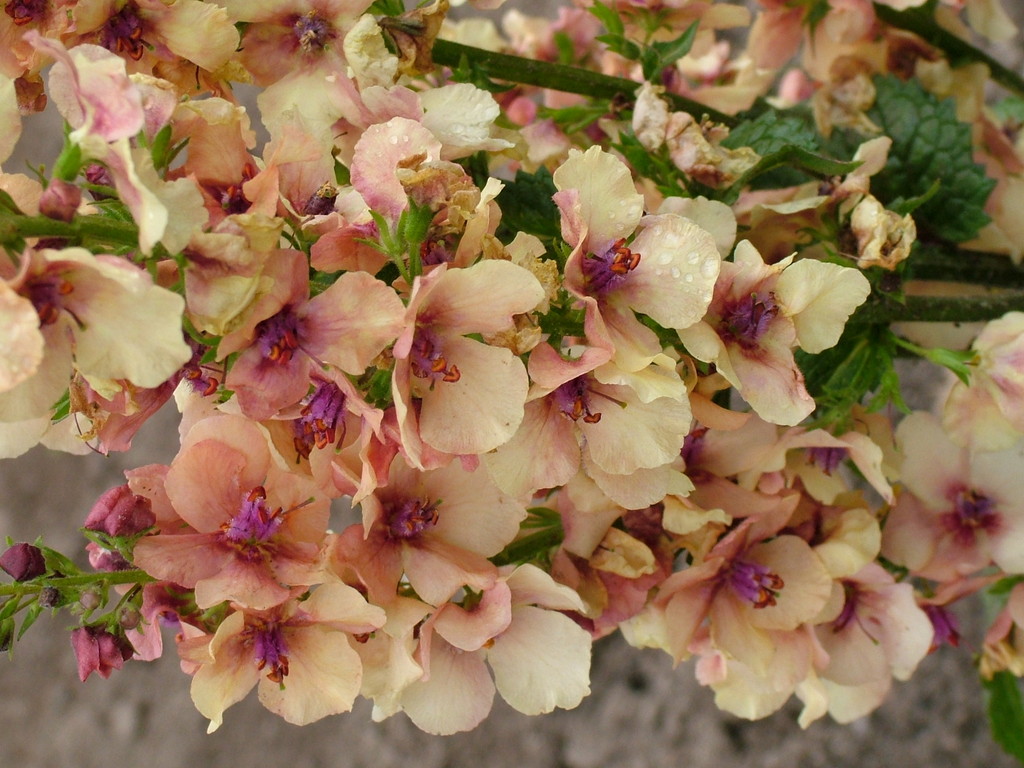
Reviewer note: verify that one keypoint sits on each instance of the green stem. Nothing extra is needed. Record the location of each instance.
(95, 229)
(941, 309)
(106, 579)
(934, 262)
(560, 77)
(921, 23)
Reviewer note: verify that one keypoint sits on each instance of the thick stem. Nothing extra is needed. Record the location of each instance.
(920, 22)
(559, 77)
(935, 262)
(93, 229)
(105, 579)
(941, 309)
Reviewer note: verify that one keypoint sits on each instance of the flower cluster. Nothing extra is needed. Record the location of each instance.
(563, 363)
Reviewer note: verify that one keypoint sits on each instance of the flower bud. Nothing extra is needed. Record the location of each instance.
(97, 650)
(51, 597)
(119, 512)
(60, 200)
(23, 562)
(103, 559)
(89, 600)
(129, 617)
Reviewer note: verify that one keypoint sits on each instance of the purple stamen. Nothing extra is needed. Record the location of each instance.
(319, 419)
(427, 360)
(972, 512)
(278, 336)
(573, 399)
(602, 272)
(122, 34)
(25, 11)
(755, 583)
(827, 459)
(269, 650)
(47, 292)
(746, 320)
(409, 518)
(254, 524)
(312, 32)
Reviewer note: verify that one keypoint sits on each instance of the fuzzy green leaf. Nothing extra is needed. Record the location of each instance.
(526, 205)
(929, 145)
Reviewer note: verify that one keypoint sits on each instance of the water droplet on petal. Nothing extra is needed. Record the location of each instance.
(393, 139)
(693, 257)
(665, 258)
(709, 268)
(675, 272)
(689, 277)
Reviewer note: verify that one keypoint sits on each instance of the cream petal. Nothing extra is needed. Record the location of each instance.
(541, 661)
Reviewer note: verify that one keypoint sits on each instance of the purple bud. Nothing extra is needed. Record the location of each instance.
(119, 512)
(89, 600)
(60, 200)
(23, 562)
(50, 597)
(97, 650)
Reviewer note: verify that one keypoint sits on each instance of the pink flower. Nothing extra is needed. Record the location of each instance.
(255, 529)
(667, 272)
(435, 529)
(298, 654)
(760, 313)
(286, 334)
(470, 395)
(100, 315)
(960, 510)
(539, 657)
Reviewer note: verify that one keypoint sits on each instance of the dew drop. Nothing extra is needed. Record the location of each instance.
(693, 258)
(393, 139)
(665, 258)
(658, 272)
(675, 272)
(709, 268)
(688, 277)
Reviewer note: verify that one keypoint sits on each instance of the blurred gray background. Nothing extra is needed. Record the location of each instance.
(641, 712)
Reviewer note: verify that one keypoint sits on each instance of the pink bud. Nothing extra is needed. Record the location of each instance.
(23, 562)
(120, 512)
(97, 650)
(60, 200)
(103, 559)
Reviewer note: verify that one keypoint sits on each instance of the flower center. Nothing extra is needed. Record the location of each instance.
(318, 423)
(47, 292)
(427, 359)
(747, 319)
(827, 459)
(25, 11)
(573, 399)
(409, 518)
(972, 512)
(254, 524)
(312, 32)
(122, 34)
(603, 272)
(755, 583)
(278, 336)
(269, 649)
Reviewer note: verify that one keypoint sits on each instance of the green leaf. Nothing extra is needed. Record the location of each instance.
(657, 56)
(771, 132)
(609, 17)
(929, 144)
(30, 618)
(576, 118)
(57, 563)
(790, 156)
(1010, 109)
(1006, 713)
(526, 205)
(843, 376)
